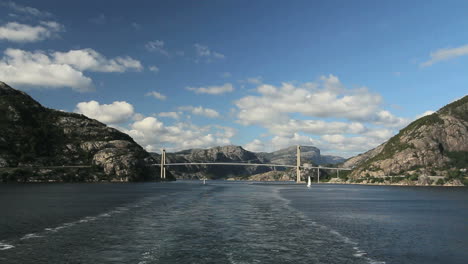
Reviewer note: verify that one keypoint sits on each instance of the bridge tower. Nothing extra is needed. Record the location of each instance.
(318, 174)
(163, 163)
(298, 165)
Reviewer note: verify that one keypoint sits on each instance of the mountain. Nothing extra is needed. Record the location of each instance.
(435, 144)
(309, 154)
(286, 156)
(33, 136)
(216, 154)
(329, 159)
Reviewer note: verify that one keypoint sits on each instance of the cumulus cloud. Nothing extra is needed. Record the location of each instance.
(330, 100)
(174, 115)
(91, 60)
(336, 143)
(386, 118)
(255, 146)
(201, 111)
(157, 46)
(16, 32)
(445, 54)
(153, 134)
(115, 113)
(428, 112)
(204, 53)
(324, 113)
(59, 69)
(316, 127)
(153, 69)
(27, 10)
(253, 80)
(23, 68)
(157, 95)
(214, 90)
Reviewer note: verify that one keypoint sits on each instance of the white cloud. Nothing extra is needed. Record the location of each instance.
(115, 113)
(386, 118)
(174, 115)
(338, 144)
(279, 142)
(157, 95)
(428, 112)
(154, 69)
(255, 146)
(204, 53)
(317, 127)
(215, 90)
(23, 68)
(445, 54)
(201, 111)
(91, 60)
(153, 134)
(31, 11)
(253, 80)
(137, 117)
(59, 69)
(157, 46)
(16, 32)
(330, 100)
(325, 114)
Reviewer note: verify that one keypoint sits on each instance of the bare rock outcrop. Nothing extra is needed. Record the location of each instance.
(431, 145)
(33, 136)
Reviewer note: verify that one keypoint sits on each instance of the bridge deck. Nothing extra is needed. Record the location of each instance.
(248, 164)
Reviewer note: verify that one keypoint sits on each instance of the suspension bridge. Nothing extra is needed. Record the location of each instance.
(298, 165)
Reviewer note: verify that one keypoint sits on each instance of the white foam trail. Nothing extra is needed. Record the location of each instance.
(358, 252)
(87, 219)
(5, 246)
(104, 215)
(29, 236)
(55, 229)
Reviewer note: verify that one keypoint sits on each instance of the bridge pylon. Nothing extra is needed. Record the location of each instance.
(298, 164)
(163, 163)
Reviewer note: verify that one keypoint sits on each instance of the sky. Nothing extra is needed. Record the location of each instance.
(343, 76)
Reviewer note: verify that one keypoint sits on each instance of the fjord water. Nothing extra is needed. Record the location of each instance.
(231, 222)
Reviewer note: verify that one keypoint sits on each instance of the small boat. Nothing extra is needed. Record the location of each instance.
(309, 183)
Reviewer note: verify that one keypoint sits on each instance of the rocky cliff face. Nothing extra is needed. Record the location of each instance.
(436, 144)
(34, 136)
(361, 158)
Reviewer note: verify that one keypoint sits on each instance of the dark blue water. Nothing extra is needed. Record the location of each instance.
(223, 222)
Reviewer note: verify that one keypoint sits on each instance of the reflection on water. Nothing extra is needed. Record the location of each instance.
(225, 222)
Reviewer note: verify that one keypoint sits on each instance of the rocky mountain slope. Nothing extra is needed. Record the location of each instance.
(287, 156)
(309, 154)
(216, 154)
(33, 136)
(436, 144)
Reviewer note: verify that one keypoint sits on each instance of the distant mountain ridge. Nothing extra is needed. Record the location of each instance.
(435, 144)
(287, 156)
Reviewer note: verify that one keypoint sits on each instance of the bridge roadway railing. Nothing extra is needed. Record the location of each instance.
(249, 164)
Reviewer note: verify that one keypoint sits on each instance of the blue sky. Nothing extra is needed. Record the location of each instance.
(341, 75)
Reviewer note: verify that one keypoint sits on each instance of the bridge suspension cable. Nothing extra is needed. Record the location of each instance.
(298, 165)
